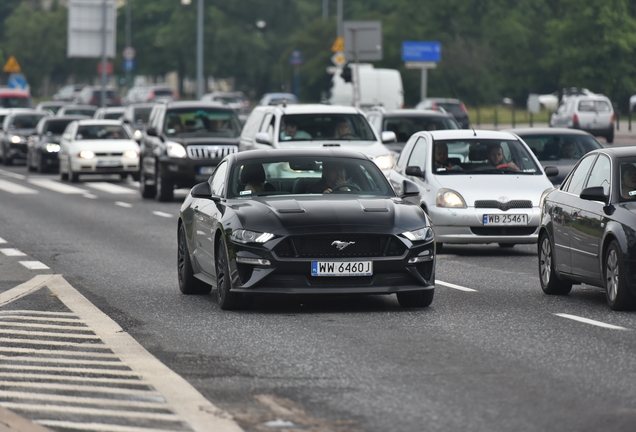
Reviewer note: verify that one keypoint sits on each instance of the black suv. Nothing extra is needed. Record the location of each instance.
(405, 122)
(17, 126)
(44, 145)
(183, 143)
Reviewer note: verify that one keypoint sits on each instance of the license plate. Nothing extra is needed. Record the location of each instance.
(206, 170)
(107, 163)
(505, 219)
(339, 268)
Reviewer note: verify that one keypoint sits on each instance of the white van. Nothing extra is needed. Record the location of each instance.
(381, 87)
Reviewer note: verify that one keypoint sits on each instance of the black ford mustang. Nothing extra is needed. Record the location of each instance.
(277, 222)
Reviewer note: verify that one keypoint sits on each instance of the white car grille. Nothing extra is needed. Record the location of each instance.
(210, 151)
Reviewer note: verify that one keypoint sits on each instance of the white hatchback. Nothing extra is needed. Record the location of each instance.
(98, 147)
(591, 113)
(476, 186)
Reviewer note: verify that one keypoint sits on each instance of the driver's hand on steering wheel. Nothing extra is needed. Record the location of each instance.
(329, 190)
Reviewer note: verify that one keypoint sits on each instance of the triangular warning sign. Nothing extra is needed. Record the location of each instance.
(338, 45)
(11, 65)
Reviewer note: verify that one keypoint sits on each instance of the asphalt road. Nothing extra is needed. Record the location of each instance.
(492, 353)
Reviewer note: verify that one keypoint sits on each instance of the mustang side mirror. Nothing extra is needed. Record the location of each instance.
(263, 138)
(414, 171)
(595, 193)
(551, 171)
(409, 189)
(201, 190)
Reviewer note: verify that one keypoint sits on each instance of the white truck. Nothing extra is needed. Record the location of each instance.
(377, 87)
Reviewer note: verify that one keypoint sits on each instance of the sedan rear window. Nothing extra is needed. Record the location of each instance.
(15, 102)
(594, 106)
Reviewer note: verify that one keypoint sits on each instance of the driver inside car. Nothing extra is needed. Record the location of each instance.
(334, 178)
(496, 158)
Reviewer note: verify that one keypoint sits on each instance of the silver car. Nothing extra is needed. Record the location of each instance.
(476, 186)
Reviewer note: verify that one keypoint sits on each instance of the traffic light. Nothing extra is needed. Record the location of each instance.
(346, 73)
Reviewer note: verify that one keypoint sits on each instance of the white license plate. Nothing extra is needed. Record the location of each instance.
(339, 268)
(107, 163)
(206, 170)
(505, 219)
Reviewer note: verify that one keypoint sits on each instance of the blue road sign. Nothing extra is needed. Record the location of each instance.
(421, 51)
(296, 59)
(17, 82)
(129, 65)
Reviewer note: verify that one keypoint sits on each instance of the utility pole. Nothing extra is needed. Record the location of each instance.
(104, 11)
(200, 49)
(340, 25)
(128, 39)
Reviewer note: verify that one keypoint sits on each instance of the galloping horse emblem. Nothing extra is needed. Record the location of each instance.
(340, 244)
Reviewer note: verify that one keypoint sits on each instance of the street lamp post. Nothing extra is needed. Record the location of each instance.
(199, 45)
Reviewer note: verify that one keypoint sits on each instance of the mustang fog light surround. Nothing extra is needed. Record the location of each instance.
(253, 261)
(86, 154)
(52, 147)
(422, 234)
(176, 150)
(449, 198)
(246, 236)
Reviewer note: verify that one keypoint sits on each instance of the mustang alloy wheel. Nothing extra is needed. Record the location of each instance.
(616, 291)
(550, 282)
(227, 300)
(188, 284)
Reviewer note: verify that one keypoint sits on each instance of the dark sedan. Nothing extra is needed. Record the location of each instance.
(270, 222)
(588, 228)
(44, 145)
(18, 125)
(559, 147)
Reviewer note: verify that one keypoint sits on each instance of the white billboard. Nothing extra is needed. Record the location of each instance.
(86, 28)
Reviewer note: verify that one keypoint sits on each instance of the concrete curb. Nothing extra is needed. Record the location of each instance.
(11, 422)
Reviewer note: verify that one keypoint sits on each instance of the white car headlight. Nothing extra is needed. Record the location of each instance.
(246, 236)
(86, 154)
(52, 147)
(138, 135)
(422, 234)
(449, 198)
(176, 150)
(130, 154)
(543, 195)
(384, 162)
(16, 139)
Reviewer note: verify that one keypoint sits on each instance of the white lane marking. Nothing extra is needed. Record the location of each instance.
(82, 400)
(2, 240)
(56, 360)
(34, 265)
(12, 174)
(110, 188)
(90, 196)
(56, 186)
(24, 313)
(15, 188)
(111, 372)
(589, 321)
(96, 427)
(162, 214)
(147, 394)
(51, 377)
(50, 334)
(5, 323)
(89, 411)
(54, 343)
(458, 287)
(12, 252)
(123, 204)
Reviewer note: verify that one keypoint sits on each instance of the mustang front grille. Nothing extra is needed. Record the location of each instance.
(340, 246)
(210, 151)
(503, 206)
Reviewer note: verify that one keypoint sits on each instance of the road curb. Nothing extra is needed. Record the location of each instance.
(11, 422)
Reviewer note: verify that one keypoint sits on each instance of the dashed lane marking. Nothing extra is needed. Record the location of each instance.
(123, 204)
(162, 214)
(12, 174)
(34, 265)
(457, 287)
(15, 188)
(56, 186)
(12, 252)
(111, 188)
(589, 321)
(79, 370)
(2, 240)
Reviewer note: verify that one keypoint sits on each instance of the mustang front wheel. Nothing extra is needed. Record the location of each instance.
(188, 284)
(227, 300)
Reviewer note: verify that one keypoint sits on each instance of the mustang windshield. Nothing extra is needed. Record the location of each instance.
(202, 122)
(482, 156)
(343, 127)
(308, 175)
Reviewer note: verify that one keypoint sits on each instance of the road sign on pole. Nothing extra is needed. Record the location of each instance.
(338, 59)
(338, 45)
(129, 53)
(17, 81)
(11, 65)
(87, 27)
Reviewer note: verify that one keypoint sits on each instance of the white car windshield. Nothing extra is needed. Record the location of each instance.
(482, 156)
(343, 127)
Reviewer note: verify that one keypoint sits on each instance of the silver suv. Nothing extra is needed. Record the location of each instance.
(591, 113)
(315, 125)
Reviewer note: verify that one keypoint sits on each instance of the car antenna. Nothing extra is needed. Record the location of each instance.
(469, 122)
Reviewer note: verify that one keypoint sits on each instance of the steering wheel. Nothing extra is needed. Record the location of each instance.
(503, 166)
(349, 185)
(348, 136)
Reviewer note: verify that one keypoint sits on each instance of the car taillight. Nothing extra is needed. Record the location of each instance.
(575, 120)
(613, 118)
(150, 97)
(94, 100)
(434, 106)
(175, 95)
(463, 107)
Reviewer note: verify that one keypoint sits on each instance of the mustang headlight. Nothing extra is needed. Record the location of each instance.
(52, 147)
(130, 154)
(176, 150)
(422, 234)
(449, 198)
(246, 236)
(16, 139)
(384, 162)
(86, 154)
(543, 195)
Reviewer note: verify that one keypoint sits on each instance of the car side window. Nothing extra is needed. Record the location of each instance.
(418, 155)
(601, 174)
(217, 180)
(578, 177)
